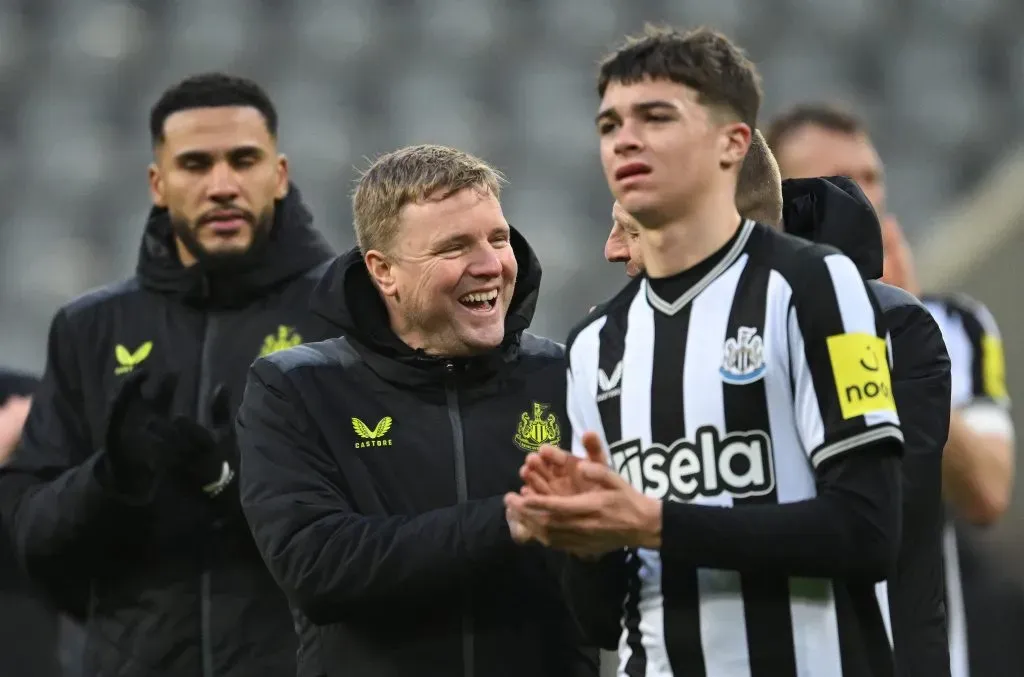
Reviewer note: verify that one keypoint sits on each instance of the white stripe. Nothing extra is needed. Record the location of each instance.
(580, 394)
(882, 595)
(815, 628)
(869, 436)
(794, 477)
(961, 354)
(956, 619)
(806, 410)
(851, 295)
(723, 629)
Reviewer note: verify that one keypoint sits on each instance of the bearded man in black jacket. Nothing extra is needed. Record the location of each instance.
(374, 464)
(122, 503)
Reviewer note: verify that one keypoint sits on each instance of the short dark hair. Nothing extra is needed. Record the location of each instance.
(702, 59)
(830, 116)
(209, 90)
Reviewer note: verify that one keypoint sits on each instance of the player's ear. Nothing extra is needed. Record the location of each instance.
(156, 185)
(282, 177)
(735, 142)
(381, 272)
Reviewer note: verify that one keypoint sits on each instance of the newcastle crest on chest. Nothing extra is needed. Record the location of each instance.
(537, 427)
(743, 357)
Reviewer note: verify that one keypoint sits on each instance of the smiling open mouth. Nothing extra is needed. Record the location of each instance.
(484, 300)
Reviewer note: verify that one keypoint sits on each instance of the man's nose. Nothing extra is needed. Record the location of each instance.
(485, 262)
(626, 140)
(223, 182)
(616, 250)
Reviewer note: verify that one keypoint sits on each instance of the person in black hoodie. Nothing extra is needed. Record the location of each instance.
(29, 630)
(836, 212)
(121, 502)
(373, 465)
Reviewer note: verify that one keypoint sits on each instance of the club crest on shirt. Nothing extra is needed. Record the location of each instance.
(537, 427)
(743, 357)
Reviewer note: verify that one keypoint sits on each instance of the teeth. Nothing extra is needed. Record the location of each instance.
(480, 297)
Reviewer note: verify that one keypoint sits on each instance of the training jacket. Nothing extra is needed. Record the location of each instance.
(915, 591)
(372, 477)
(174, 586)
(28, 628)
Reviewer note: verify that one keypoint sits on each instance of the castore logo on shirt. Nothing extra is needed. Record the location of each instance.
(128, 360)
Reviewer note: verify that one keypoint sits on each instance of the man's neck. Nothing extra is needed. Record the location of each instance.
(682, 243)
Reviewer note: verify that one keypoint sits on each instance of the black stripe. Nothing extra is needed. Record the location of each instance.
(766, 599)
(681, 607)
(975, 334)
(636, 664)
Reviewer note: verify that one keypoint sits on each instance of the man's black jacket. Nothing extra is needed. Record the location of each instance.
(372, 478)
(28, 628)
(834, 211)
(172, 586)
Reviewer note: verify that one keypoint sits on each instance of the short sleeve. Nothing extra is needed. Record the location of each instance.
(987, 406)
(840, 360)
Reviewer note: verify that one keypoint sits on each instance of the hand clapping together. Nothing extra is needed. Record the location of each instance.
(581, 506)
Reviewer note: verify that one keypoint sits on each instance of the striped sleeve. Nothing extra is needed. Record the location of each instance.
(985, 401)
(987, 364)
(840, 360)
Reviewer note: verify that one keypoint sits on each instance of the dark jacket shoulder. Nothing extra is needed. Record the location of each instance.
(890, 297)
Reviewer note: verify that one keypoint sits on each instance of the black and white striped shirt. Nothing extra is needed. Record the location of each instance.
(764, 367)
(977, 367)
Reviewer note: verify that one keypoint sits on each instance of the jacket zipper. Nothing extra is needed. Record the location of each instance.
(210, 326)
(462, 495)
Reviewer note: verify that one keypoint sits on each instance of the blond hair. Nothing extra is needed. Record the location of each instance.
(759, 184)
(410, 175)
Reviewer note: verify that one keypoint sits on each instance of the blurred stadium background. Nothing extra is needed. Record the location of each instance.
(940, 82)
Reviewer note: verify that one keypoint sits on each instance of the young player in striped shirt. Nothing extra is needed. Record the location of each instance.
(740, 389)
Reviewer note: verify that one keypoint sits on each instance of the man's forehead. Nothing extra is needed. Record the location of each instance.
(619, 96)
(466, 213)
(823, 152)
(217, 128)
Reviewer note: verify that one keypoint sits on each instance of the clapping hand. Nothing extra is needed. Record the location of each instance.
(145, 441)
(216, 450)
(581, 506)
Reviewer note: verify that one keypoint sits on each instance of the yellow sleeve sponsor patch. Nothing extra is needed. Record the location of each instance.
(860, 367)
(993, 367)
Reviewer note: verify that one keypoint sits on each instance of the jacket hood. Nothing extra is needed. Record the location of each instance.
(833, 210)
(346, 297)
(293, 247)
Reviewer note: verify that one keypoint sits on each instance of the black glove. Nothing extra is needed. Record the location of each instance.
(142, 441)
(214, 464)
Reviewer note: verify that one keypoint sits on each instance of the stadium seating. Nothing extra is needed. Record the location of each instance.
(510, 81)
